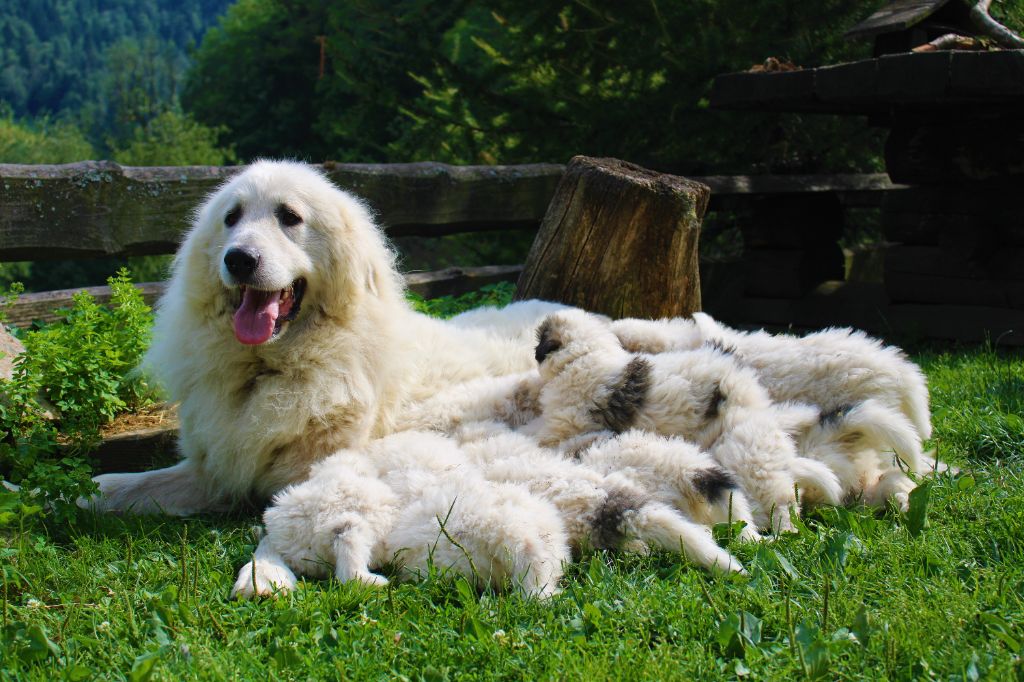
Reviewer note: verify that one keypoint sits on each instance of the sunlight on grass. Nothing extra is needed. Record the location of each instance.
(853, 595)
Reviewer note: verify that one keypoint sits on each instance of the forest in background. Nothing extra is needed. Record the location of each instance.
(177, 82)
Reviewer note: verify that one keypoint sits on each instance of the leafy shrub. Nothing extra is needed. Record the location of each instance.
(498, 295)
(84, 366)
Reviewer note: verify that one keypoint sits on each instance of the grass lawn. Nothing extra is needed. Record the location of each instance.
(853, 595)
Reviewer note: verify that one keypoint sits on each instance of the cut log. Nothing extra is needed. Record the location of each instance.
(620, 240)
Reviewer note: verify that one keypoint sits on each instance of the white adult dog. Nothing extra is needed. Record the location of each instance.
(285, 335)
(410, 500)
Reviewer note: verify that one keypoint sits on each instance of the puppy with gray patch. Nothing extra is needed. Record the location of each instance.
(857, 443)
(672, 471)
(605, 510)
(410, 500)
(829, 369)
(590, 383)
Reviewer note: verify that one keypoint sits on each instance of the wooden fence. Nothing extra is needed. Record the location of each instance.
(791, 272)
(94, 209)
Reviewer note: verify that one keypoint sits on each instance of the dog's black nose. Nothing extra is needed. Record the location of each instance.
(241, 263)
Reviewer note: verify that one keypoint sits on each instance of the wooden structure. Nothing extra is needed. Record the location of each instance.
(902, 25)
(956, 142)
(619, 240)
(79, 209)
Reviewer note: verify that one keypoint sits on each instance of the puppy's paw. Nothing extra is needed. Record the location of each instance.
(370, 579)
(266, 580)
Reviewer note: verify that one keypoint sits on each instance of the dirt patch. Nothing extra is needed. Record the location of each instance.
(147, 418)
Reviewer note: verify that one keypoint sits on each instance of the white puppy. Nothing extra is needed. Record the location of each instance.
(591, 384)
(857, 443)
(408, 500)
(602, 510)
(830, 368)
(672, 471)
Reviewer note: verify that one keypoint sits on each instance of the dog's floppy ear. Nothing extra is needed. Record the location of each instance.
(547, 341)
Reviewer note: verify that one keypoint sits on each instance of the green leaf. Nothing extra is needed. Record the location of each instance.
(39, 645)
(862, 627)
(838, 548)
(917, 515)
(79, 672)
(142, 667)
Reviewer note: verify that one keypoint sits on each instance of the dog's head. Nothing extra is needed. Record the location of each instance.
(277, 245)
(569, 334)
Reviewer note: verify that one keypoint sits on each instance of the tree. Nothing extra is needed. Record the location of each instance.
(502, 81)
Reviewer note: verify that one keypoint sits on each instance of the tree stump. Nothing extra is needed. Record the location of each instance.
(620, 240)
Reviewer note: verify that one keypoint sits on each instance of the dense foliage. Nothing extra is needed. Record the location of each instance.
(74, 376)
(55, 52)
(510, 82)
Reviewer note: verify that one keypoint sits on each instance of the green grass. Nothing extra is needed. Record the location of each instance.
(854, 595)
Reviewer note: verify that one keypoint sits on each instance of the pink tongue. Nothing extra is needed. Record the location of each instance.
(255, 318)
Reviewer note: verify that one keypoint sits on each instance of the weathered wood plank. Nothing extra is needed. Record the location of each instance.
(100, 208)
(450, 281)
(895, 16)
(93, 209)
(865, 306)
(455, 281)
(41, 306)
(920, 82)
(137, 450)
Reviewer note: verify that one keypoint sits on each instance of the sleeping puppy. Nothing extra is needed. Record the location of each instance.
(590, 383)
(409, 500)
(605, 510)
(828, 369)
(857, 444)
(672, 471)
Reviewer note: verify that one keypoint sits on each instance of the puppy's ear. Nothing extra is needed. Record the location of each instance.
(547, 341)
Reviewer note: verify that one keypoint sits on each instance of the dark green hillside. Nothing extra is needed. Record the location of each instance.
(54, 52)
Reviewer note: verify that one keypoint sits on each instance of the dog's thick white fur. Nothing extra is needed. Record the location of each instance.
(285, 335)
(410, 500)
(831, 369)
(591, 383)
(606, 510)
(858, 444)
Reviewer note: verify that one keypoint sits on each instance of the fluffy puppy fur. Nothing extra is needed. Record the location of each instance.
(590, 383)
(511, 399)
(829, 369)
(603, 510)
(857, 442)
(673, 471)
(285, 335)
(407, 500)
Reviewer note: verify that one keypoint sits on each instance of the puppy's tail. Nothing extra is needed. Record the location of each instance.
(871, 425)
(817, 481)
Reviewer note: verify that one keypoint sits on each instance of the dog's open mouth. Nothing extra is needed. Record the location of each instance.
(261, 314)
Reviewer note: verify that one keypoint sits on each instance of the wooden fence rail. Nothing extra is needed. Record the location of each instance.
(98, 208)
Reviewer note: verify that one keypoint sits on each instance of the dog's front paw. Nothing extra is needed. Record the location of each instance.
(265, 580)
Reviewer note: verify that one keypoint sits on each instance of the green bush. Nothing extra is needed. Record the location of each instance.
(83, 365)
(498, 295)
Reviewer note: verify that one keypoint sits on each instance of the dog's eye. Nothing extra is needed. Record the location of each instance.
(287, 216)
(233, 216)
